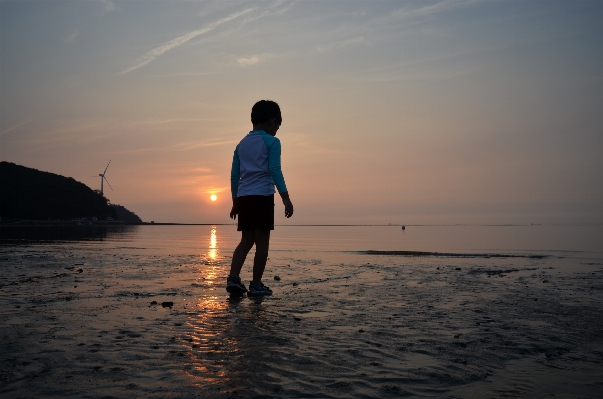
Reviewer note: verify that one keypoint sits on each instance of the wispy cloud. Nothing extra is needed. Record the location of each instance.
(431, 8)
(344, 43)
(169, 121)
(216, 190)
(108, 5)
(270, 12)
(184, 146)
(71, 37)
(195, 144)
(187, 74)
(254, 59)
(247, 61)
(11, 128)
(80, 133)
(179, 41)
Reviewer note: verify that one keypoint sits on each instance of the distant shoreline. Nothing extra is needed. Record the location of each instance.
(121, 223)
(100, 223)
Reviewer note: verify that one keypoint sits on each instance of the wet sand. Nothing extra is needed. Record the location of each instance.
(78, 320)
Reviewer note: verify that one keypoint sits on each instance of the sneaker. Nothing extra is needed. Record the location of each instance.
(258, 289)
(235, 286)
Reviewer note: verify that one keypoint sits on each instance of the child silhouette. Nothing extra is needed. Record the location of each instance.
(256, 169)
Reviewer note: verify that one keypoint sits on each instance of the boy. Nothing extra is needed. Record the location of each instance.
(256, 169)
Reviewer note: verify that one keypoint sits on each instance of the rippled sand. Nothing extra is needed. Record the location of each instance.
(77, 321)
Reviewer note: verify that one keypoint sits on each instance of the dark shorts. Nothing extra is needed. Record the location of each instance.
(256, 212)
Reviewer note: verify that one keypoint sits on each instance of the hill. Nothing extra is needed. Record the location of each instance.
(125, 215)
(30, 194)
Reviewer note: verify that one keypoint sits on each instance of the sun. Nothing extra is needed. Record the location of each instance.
(213, 197)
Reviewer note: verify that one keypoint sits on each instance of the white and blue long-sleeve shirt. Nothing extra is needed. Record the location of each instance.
(256, 166)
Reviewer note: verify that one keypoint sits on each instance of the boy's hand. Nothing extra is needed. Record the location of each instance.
(287, 203)
(288, 208)
(235, 209)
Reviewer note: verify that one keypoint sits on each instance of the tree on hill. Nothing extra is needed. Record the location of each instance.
(105, 198)
(30, 194)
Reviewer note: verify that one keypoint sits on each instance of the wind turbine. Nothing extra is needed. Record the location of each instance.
(102, 176)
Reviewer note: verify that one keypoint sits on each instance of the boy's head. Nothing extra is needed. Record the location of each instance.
(264, 110)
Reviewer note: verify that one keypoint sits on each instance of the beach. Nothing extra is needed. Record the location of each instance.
(110, 314)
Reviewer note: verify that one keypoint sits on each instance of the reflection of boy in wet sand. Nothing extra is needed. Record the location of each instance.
(256, 169)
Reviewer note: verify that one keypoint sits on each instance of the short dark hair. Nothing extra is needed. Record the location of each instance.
(265, 110)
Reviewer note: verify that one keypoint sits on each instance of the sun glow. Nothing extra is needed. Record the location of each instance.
(213, 197)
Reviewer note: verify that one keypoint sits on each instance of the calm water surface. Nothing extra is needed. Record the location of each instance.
(582, 240)
(81, 313)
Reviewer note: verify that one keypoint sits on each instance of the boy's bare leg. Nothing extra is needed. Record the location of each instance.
(262, 241)
(240, 253)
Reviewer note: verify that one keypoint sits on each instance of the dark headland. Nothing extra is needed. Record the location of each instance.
(31, 195)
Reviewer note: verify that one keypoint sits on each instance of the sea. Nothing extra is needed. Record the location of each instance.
(454, 311)
(579, 240)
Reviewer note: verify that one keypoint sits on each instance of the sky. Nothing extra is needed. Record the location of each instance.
(402, 112)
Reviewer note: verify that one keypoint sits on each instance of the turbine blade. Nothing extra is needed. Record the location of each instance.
(107, 167)
(108, 182)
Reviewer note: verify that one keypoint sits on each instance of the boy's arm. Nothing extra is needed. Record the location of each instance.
(235, 176)
(274, 164)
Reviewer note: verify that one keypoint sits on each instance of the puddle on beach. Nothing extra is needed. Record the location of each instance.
(99, 319)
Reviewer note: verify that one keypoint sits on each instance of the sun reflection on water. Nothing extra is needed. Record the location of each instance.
(213, 244)
(212, 259)
(222, 329)
(209, 355)
(210, 349)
